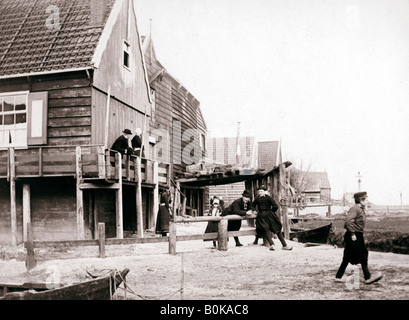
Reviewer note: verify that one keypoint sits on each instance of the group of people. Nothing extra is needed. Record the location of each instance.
(267, 221)
(127, 146)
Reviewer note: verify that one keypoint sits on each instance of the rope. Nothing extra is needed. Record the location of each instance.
(127, 288)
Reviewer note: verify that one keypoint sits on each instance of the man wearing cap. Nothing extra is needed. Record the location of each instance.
(121, 144)
(241, 207)
(267, 222)
(355, 251)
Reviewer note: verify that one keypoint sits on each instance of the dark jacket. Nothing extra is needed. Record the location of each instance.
(265, 203)
(137, 143)
(355, 219)
(237, 207)
(121, 145)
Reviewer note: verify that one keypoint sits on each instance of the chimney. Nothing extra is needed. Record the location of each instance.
(98, 12)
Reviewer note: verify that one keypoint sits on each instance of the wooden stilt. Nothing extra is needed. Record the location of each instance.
(13, 205)
(155, 193)
(26, 209)
(118, 198)
(139, 213)
(80, 200)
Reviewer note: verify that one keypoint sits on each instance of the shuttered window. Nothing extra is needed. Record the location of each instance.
(23, 119)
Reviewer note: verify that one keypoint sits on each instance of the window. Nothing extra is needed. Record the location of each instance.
(127, 60)
(13, 119)
(23, 119)
(153, 95)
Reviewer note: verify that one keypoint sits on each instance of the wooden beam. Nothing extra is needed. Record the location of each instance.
(118, 198)
(90, 185)
(26, 208)
(79, 194)
(13, 200)
(139, 213)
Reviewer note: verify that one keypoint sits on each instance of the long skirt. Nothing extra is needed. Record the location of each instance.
(267, 221)
(163, 219)
(212, 226)
(355, 252)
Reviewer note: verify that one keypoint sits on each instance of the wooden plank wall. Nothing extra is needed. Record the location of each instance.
(5, 220)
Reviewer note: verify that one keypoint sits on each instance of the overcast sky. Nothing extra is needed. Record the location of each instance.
(330, 78)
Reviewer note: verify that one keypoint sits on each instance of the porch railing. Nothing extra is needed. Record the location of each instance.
(93, 160)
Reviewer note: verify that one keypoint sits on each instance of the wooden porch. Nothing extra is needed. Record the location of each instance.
(93, 167)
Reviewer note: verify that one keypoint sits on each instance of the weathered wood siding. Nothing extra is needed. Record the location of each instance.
(121, 116)
(127, 84)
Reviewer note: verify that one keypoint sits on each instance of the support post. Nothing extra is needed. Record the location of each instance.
(172, 237)
(80, 200)
(139, 213)
(13, 205)
(222, 234)
(155, 192)
(118, 198)
(26, 209)
(101, 162)
(101, 239)
(30, 257)
(329, 212)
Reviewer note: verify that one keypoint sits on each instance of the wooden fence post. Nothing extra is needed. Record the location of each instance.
(26, 209)
(172, 237)
(101, 239)
(222, 236)
(30, 257)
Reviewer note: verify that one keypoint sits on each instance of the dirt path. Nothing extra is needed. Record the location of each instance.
(248, 272)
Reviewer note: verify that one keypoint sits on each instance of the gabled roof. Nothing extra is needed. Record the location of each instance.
(32, 41)
(315, 181)
(267, 154)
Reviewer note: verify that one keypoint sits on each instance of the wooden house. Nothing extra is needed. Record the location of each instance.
(178, 126)
(72, 78)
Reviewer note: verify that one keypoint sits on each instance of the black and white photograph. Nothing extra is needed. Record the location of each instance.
(204, 155)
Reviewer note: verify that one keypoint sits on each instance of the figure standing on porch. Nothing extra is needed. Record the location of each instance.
(164, 213)
(137, 143)
(216, 210)
(355, 251)
(122, 144)
(267, 222)
(241, 207)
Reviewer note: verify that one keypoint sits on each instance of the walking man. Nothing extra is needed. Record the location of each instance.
(355, 251)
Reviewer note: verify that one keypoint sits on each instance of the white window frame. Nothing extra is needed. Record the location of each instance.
(21, 126)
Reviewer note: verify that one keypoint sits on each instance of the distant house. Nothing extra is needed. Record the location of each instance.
(316, 187)
(178, 125)
(72, 78)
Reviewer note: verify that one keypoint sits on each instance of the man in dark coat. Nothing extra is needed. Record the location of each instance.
(240, 207)
(355, 251)
(121, 144)
(267, 222)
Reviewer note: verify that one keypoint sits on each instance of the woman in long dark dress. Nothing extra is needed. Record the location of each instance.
(267, 221)
(164, 214)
